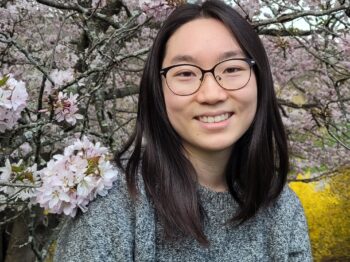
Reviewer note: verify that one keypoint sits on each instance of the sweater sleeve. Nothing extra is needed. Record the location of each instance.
(104, 233)
(299, 242)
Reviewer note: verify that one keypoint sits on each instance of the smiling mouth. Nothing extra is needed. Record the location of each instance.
(214, 119)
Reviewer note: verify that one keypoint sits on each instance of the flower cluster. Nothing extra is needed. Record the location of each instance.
(13, 99)
(26, 178)
(66, 108)
(70, 181)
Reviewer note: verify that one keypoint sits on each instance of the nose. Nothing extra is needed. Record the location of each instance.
(210, 92)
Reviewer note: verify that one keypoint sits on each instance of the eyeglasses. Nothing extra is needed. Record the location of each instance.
(186, 79)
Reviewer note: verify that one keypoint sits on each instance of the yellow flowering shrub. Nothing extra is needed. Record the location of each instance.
(327, 209)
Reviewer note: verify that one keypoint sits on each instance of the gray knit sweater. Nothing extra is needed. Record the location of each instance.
(117, 229)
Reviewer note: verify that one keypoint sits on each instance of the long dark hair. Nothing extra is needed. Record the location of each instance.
(257, 170)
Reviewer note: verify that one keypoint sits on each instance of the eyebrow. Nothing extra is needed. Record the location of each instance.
(191, 59)
(231, 54)
(183, 58)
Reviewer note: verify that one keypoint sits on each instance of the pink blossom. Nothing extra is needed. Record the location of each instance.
(18, 173)
(70, 181)
(60, 78)
(25, 148)
(6, 171)
(66, 108)
(13, 99)
(19, 93)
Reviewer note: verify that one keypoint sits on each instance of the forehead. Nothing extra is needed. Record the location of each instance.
(202, 40)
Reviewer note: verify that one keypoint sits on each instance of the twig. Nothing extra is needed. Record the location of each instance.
(337, 139)
(28, 56)
(37, 139)
(8, 220)
(18, 185)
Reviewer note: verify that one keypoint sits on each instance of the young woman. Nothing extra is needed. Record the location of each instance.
(209, 184)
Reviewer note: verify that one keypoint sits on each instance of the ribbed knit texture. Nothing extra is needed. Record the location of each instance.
(116, 229)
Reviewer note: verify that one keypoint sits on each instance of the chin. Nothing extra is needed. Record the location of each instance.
(216, 147)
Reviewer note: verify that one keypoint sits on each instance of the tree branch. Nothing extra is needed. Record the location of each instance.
(327, 174)
(78, 8)
(296, 106)
(287, 32)
(289, 17)
(121, 92)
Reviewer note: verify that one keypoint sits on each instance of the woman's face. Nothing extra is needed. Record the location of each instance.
(205, 42)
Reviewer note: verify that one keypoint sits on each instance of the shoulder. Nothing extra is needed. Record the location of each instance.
(118, 202)
(287, 204)
(286, 213)
(287, 227)
(287, 218)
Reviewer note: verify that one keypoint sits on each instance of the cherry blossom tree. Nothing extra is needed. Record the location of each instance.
(69, 74)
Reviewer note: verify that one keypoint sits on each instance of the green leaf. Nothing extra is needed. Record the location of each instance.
(17, 169)
(4, 80)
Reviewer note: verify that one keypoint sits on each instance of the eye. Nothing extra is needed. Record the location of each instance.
(185, 74)
(231, 70)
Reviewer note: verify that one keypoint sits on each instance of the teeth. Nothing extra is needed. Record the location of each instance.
(217, 118)
(214, 119)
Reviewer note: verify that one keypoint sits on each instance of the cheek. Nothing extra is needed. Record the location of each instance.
(246, 100)
(252, 104)
(180, 113)
(174, 107)
(252, 98)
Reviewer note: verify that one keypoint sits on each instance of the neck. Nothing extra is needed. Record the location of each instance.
(210, 167)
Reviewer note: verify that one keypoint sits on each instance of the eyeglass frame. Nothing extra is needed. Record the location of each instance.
(250, 62)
